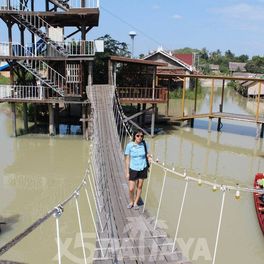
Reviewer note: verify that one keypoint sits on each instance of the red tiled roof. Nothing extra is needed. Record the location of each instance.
(187, 58)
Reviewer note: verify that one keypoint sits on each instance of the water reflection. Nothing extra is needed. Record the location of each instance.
(37, 171)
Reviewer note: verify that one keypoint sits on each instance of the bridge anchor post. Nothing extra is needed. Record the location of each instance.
(13, 116)
(153, 120)
(25, 116)
(51, 120)
(210, 125)
(258, 131)
(262, 130)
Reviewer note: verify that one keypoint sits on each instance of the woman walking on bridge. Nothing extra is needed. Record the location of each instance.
(137, 161)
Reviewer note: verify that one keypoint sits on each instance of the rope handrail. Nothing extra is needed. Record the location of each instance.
(32, 227)
(215, 186)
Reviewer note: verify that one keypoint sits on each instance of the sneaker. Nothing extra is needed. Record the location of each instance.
(136, 207)
(129, 206)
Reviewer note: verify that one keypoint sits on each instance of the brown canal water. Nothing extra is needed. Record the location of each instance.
(37, 172)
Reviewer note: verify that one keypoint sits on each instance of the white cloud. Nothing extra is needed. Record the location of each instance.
(241, 11)
(176, 16)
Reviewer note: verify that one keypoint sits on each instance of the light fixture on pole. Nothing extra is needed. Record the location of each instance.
(132, 34)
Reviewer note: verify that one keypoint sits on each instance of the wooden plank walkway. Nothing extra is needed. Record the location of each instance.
(223, 115)
(129, 235)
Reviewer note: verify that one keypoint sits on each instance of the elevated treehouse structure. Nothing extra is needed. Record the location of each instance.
(60, 69)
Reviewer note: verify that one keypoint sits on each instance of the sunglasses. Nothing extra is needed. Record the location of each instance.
(140, 136)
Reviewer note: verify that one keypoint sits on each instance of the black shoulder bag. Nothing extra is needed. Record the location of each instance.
(146, 152)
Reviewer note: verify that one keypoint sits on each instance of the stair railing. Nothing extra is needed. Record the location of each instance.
(38, 23)
(40, 69)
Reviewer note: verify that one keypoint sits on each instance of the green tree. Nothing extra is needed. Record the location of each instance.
(111, 47)
(186, 50)
(229, 55)
(215, 57)
(204, 54)
(243, 58)
(256, 65)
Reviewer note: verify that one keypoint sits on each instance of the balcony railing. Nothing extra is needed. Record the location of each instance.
(22, 92)
(20, 5)
(79, 48)
(143, 94)
(87, 3)
(11, 5)
(73, 48)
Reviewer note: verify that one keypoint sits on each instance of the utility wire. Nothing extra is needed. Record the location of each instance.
(130, 25)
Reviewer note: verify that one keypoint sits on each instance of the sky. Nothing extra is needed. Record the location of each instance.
(225, 24)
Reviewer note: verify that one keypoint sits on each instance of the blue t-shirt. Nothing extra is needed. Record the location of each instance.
(137, 155)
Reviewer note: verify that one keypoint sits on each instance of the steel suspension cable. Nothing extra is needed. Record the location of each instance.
(219, 224)
(180, 214)
(80, 226)
(161, 196)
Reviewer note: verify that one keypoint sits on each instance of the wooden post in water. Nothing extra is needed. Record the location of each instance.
(84, 120)
(257, 111)
(262, 130)
(221, 106)
(195, 101)
(25, 116)
(168, 98)
(153, 119)
(13, 116)
(183, 95)
(51, 120)
(35, 114)
(211, 107)
(57, 121)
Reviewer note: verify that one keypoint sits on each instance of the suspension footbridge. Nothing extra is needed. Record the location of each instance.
(122, 235)
(131, 236)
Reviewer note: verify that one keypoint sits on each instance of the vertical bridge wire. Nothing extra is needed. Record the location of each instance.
(58, 238)
(147, 190)
(80, 226)
(180, 214)
(96, 206)
(161, 196)
(219, 224)
(94, 223)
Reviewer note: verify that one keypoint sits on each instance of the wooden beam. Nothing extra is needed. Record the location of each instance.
(211, 97)
(215, 77)
(183, 95)
(137, 114)
(138, 127)
(258, 101)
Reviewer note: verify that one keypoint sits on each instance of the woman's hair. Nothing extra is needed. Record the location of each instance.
(136, 132)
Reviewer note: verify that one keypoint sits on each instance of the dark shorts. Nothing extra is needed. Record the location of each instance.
(135, 175)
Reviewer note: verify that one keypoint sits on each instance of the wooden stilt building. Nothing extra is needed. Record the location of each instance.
(60, 68)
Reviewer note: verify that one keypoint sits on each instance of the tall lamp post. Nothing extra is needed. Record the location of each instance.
(132, 34)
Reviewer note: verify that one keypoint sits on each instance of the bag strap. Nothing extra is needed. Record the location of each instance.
(146, 152)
